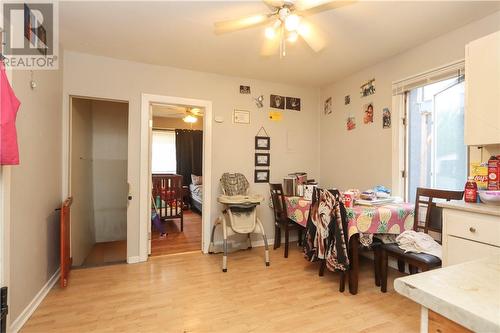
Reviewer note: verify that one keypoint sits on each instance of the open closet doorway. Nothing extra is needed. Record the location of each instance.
(176, 163)
(98, 181)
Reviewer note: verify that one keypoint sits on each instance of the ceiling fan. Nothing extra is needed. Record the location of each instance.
(285, 23)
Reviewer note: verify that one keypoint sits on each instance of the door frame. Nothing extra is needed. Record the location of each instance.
(145, 168)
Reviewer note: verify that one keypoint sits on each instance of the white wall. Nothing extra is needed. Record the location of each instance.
(35, 188)
(362, 158)
(233, 145)
(109, 172)
(82, 191)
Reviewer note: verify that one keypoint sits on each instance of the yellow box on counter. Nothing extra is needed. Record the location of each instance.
(480, 173)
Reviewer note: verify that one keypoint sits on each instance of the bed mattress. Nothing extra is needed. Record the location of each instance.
(196, 192)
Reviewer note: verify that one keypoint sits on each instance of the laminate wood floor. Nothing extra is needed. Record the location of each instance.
(106, 253)
(189, 293)
(177, 241)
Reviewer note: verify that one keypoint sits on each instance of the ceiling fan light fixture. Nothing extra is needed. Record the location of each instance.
(190, 119)
(292, 36)
(292, 22)
(304, 29)
(270, 33)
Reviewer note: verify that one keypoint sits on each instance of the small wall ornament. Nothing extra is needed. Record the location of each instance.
(347, 100)
(259, 101)
(327, 108)
(386, 118)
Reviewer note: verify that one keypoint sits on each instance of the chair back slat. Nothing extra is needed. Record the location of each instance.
(433, 217)
(278, 199)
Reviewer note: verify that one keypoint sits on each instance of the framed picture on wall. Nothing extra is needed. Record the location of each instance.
(277, 102)
(262, 143)
(262, 159)
(261, 176)
(241, 117)
(292, 103)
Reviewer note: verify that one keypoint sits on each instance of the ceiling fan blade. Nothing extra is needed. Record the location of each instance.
(274, 4)
(310, 7)
(242, 23)
(271, 46)
(312, 36)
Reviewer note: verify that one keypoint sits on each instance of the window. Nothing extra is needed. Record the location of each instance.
(436, 154)
(163, 156)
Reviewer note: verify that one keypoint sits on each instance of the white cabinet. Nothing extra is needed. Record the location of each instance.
(482, 98)
(469, 236)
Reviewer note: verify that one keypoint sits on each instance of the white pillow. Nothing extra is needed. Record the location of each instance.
(196, 180)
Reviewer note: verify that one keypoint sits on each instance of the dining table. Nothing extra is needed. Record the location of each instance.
(364, 222)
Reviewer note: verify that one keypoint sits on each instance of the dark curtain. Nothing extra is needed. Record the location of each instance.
(189, 153)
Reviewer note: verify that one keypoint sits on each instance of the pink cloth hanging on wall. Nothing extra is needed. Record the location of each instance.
(9, 104)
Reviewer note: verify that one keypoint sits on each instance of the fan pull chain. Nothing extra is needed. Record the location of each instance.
(282, 43)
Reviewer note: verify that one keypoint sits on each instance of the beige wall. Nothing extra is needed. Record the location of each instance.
(82, 191)
(176, 123)
(36, 188)
(109, 156)
(294, 141)
(362, 158)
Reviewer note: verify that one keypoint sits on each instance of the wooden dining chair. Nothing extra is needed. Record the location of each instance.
(433, 222)
(281, 218)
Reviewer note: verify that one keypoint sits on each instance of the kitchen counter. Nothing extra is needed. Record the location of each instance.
(467, 293)
(471, 207)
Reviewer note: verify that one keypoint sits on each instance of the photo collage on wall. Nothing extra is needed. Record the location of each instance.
(284, 103)
(368, 110)
(262, 156)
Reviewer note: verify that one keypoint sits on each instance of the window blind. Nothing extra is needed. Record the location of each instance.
(163, 156)
(456, 69)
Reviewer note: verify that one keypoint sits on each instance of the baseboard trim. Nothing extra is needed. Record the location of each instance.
(35, 302)
(133, 260)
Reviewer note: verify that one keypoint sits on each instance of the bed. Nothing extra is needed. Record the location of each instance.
(196, 192)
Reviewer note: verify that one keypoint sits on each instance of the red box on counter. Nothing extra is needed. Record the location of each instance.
(494, 173)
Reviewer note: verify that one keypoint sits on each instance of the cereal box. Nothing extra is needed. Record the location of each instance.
(480, 173)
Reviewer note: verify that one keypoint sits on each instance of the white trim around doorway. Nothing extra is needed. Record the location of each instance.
(145, 169)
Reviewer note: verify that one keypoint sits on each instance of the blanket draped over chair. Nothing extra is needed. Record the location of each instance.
(325, 235)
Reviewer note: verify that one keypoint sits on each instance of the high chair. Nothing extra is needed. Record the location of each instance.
(239, 215)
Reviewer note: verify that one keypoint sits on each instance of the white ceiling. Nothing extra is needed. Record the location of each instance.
(180, 34)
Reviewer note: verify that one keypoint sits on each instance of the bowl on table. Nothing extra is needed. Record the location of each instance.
(490, 197)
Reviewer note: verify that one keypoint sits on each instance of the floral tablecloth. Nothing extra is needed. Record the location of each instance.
(297, 209)
(386, 219)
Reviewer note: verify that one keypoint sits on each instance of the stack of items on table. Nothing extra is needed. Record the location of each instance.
(297, 184)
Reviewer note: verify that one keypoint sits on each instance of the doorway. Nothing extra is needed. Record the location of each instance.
(176, 160)
(145, 170)
(98, 181)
